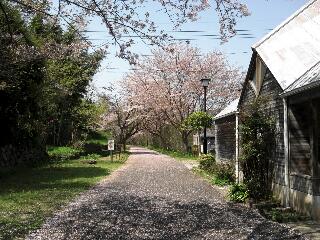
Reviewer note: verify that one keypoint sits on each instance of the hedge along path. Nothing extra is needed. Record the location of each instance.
(155, 197)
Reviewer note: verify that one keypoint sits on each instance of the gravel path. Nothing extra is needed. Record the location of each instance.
(156, 197)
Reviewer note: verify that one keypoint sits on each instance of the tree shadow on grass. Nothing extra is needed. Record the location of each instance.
(95, 148)
(51, 177)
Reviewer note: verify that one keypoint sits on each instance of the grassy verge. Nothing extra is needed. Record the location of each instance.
(175, 154)
(277, 213)
(212, 178)
(28, 196)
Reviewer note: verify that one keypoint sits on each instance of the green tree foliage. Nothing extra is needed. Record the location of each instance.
(257, 141)
(66, 108)
(21, 81)
(198, 120)
(44, 96)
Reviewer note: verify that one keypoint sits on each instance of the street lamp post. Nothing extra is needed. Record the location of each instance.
(205, 84)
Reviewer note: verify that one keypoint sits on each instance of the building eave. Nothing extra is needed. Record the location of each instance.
(301, 89)
(226, 115)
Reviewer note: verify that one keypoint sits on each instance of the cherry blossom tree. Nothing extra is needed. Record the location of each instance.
(122, 119)
(167, 85)
(125, 20)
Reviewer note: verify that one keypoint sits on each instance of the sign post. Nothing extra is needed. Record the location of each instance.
(111, 148)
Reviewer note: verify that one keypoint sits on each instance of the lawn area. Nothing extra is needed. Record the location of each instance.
(175, 154)
(29, 195)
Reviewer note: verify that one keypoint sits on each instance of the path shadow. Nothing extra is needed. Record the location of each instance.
(124, 216)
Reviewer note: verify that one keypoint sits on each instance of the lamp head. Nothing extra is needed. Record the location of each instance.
(205, 82)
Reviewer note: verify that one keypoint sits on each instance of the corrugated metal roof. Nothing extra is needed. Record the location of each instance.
(308, 80)
(230, 109)
(293, 47)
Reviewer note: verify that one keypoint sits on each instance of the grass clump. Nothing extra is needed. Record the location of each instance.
(207, 162)
(238, 193)
(274, 212)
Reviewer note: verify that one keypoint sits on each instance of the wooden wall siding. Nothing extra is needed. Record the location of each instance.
(301, 183)
(271, 89)
(226, 138)
(299, 138)
(303, 138)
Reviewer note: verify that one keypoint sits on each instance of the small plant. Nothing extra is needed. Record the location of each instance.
(238, 193)
(207, 163)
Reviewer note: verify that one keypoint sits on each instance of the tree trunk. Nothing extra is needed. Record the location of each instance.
(124, 146)
(185, 141)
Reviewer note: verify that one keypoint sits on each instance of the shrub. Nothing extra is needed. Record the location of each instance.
(207, 162)
(258, 134)
(225, 172)
(238, 193)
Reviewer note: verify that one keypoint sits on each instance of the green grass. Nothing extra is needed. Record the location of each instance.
(212, 178)
(63, 153)
(29, 195)
(175, 154)
(275, 212)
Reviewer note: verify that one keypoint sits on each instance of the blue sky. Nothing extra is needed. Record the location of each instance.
(265, 15)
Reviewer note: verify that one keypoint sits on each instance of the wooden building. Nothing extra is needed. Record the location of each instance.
(225, 124)
(285, 69)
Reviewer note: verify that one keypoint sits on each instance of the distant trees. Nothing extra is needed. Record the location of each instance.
(166, 87)
(122, 119)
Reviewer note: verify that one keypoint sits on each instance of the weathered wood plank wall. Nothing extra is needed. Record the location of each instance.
(226, 138)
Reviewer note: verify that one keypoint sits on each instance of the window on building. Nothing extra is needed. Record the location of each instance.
(260, 71)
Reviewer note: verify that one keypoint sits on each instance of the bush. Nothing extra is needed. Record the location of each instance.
(258, 134)
(238, 193)
(207, 163)
(225, 172)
